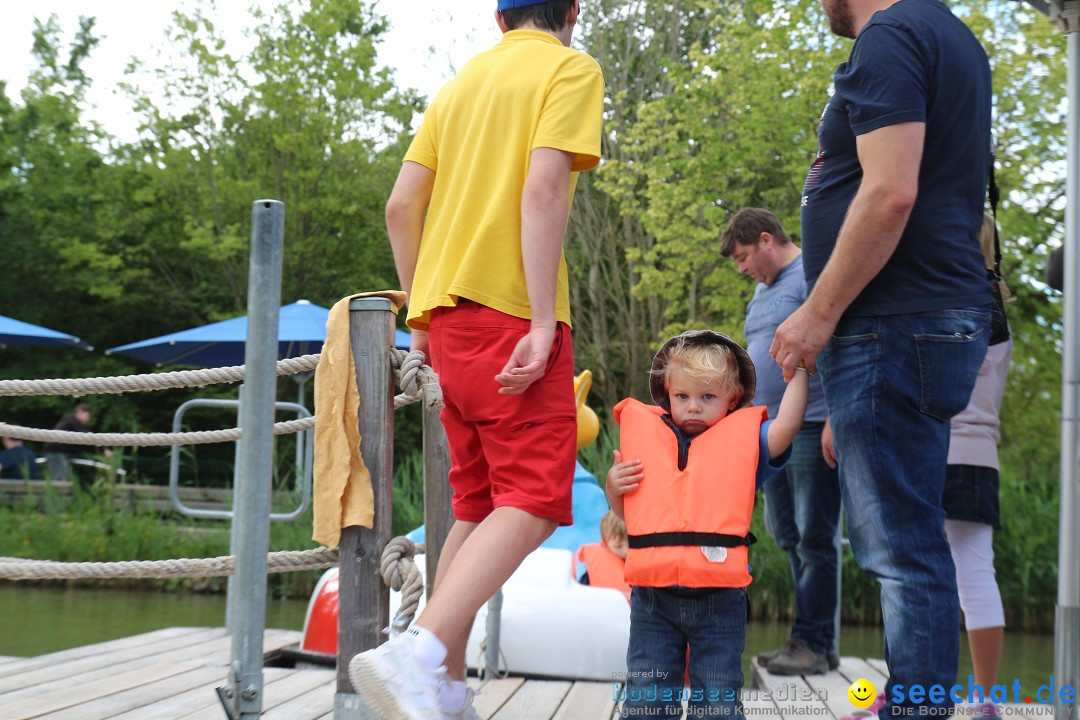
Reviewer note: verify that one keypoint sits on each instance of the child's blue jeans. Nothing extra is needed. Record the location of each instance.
(663, 623)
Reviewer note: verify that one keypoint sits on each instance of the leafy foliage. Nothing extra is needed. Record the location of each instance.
(119, 242)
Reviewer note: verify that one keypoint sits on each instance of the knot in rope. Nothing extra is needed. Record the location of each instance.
(416, 380)
(410, 369)
(399, 572)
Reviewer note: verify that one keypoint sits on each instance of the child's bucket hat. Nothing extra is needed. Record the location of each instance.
(747, 373)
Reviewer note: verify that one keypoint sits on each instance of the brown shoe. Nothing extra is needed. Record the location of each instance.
(798, 659)
(763, 659)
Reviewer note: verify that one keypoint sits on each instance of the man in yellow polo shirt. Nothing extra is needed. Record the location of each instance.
(476, 221)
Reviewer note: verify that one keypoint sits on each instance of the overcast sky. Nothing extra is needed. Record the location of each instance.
(427, 38)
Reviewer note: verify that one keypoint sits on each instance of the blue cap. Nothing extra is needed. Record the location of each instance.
(510, 4)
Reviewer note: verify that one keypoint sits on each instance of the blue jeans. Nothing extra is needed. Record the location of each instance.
(891, 384)
(664, 622)
(802, 512)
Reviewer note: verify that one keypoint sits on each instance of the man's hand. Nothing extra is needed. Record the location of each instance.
(828, 447)
(528, 362)
(800, 339)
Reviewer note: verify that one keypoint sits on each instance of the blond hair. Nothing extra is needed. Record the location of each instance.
(986, 242)
(711, 362)
(612, 526)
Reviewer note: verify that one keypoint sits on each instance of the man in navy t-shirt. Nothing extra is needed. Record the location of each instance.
(18, 462)
(897, 315)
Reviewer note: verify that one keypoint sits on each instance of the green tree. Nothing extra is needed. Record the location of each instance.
(118, 242)
(644, 50)
(1028, 58)
(307, 119)
(65, 260)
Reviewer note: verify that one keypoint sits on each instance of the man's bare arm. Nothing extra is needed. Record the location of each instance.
(545, 205)
(405, 212)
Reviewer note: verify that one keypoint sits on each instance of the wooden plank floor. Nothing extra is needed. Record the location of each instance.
(825, 696)
(171, 674)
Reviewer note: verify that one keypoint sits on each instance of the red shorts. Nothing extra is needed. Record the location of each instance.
(505, 450)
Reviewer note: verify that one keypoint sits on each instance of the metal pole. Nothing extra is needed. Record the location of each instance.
(232, 600)
(1067, 621)
(493, 627)
(252, 494)
(363, 598)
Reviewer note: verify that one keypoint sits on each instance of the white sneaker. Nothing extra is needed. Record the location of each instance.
(467, 712)
(394, 684)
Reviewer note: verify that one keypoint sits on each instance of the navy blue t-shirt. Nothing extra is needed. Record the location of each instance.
(19, 463)
(912, 62)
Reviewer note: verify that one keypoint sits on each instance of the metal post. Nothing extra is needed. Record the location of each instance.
(1066, 13)
(363, 598)
(252, 494)
(494, 623)
(438, 517)
(232, 600)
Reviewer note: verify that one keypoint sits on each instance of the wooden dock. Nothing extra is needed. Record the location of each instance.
(826, 696)
(171, 674)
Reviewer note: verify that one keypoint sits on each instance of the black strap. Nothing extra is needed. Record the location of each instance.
(688, 539)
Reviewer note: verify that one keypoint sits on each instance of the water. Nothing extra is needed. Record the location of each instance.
(39, 620)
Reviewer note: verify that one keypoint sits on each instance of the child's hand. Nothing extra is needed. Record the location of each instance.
(624, 476)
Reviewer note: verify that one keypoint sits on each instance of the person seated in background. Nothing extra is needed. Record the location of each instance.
(58, 455)
(18, 462)
(606, 560)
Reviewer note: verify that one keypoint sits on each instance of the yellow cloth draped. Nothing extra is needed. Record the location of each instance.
(342, 494)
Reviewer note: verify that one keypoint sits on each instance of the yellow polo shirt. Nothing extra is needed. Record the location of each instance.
(527, 92)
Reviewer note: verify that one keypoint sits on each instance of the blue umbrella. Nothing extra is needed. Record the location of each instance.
(301, 331)
(17, 332)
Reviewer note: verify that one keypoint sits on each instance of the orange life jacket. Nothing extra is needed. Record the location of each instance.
(605, 568)
(690, 526)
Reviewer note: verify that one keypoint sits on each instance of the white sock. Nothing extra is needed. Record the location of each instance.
(427, 648)
(452, 696)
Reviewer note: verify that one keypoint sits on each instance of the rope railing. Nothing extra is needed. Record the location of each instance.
(116, 384)
(417, 381)
(198, 437)
(277, 562)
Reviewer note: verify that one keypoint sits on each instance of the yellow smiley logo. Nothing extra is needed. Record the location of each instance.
(862, 693)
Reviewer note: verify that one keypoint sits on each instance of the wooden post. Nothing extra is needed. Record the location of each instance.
(438, 516)
(363, 598)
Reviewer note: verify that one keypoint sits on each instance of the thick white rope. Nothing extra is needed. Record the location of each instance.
(277, 562)
(155, 381)
(416, 380)
(399, 572)
(199, 437)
